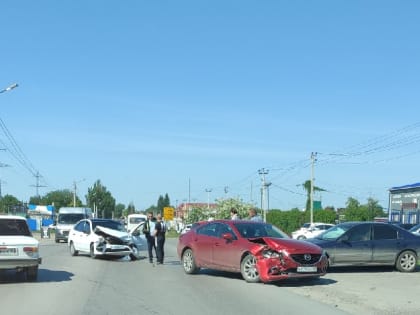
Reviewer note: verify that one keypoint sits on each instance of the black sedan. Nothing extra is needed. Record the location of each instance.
(370, 243)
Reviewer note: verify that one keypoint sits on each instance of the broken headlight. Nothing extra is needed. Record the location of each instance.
(271, 254)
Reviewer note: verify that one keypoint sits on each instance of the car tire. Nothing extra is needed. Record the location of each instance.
(135, 254)
(32, 273)
(92, 251)
(73, 250)
(301, 237)
(188, 262)
(249, 269)
(406, 261)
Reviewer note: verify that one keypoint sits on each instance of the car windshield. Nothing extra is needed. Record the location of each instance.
(11, 227)
(415, 228)
(109, 224)
(69, 218)
(334, 232)
(253, 230)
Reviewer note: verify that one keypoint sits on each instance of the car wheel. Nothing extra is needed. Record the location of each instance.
(32, 273)
(73, 251)
(57, 240)
(249, 269)
(135, 254)
(301, 237)
(92, 251)
(188, 262)
(406, 261)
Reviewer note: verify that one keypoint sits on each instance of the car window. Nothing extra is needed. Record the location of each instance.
(252, 230)
(86, 227)
(14, 227)
(224, 228)
(384, 232)
(335, 232)
(358, 233)
(208, 229)
(79, 226)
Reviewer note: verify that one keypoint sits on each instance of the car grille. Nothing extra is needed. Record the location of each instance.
(303, 258)
(66, 233)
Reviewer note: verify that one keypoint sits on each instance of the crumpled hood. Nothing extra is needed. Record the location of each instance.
(114, 236)
(293, 246)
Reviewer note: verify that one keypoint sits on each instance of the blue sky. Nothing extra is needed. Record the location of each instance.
(155, 97)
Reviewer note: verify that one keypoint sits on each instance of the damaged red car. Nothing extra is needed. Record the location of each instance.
(259, 251)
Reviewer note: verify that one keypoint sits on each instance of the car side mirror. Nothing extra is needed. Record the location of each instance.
(227, 236)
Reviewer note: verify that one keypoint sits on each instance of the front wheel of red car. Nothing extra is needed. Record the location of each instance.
(188, 262)
(249, 269)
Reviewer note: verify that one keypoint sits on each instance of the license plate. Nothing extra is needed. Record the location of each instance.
(8, 251)
(306, 269)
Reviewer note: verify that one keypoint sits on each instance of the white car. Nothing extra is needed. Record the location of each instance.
(106, 237)
(310, 231)
(18, 249)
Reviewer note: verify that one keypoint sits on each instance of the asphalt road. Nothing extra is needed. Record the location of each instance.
(81, 285)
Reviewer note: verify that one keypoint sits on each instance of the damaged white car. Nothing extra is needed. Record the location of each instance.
(106, 237)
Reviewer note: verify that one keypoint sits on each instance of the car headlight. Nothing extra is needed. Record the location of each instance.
(271, 254)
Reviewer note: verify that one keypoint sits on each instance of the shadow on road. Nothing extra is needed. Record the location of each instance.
(44, 275)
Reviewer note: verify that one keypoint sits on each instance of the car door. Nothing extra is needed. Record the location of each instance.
(86, 237)
(226, 252)
(77, 235)
(205, 238)
(385, 243)
(354, 247)
(138, 236)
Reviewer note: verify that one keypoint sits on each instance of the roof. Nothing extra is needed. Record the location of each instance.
(410, 186)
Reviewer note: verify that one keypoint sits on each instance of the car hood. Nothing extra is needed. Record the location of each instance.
(293, 246)
(113, 236)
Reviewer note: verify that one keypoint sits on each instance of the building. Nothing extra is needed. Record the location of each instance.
(404, 204)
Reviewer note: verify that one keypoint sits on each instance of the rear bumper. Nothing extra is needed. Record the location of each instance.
(19, 263)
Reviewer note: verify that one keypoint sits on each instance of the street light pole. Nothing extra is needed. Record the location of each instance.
(11, 87)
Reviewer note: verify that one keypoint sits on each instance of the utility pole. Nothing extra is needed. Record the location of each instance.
(311, 195)
(262, 172)
(208, 191)
(75, 190)
(38, 185)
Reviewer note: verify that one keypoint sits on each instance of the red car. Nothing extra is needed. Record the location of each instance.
(259, 251)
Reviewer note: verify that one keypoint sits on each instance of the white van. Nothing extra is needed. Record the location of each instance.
(67, 217)
(135, 219)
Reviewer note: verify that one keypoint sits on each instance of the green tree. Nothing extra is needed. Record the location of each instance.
(9, 204)
(223, 207)
(119, 209)
(100, 199)
(162, 203)
(354, 211)
(60, 198)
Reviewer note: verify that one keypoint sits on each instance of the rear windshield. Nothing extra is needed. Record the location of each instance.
(14, 227)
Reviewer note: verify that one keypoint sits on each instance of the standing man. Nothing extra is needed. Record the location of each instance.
(253, 216)
(148, 230)
(160, 230)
